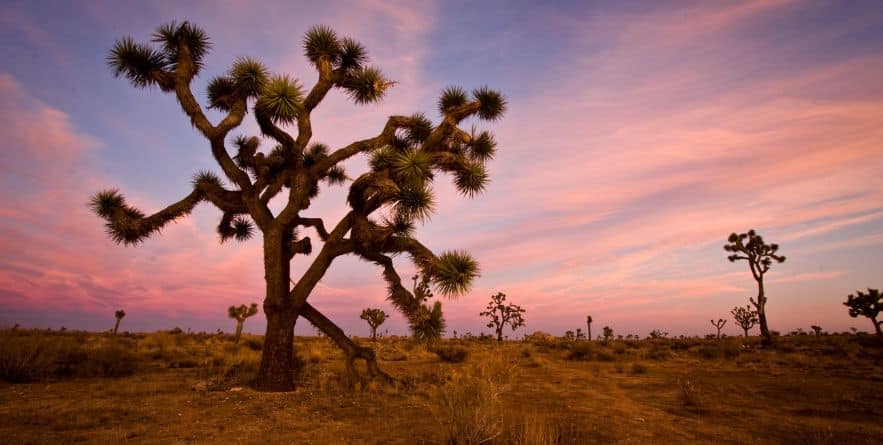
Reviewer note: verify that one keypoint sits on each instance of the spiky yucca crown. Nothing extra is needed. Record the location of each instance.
(120, 313)
(241, 312)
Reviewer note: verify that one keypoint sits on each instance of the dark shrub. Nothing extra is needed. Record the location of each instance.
(451, 354)
(581, 351)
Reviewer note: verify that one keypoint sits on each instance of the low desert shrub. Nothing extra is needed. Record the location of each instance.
(583, 350)
(638, 368)
(450, 353)
(690, 394)
(26, 358)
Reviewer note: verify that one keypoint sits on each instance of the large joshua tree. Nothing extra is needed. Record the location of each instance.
(760, 256)
(385, 202)
(240, 313)
(866, 304)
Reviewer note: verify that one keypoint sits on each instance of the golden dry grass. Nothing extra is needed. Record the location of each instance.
(193, 389)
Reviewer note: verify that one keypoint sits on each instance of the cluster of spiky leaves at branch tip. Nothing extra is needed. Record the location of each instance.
(719, 324)
(385, 202)
(375, 318)
(746, 317)
(501, 314)
(427, 323)
(119, 314)
(867, 305)
(240, 313)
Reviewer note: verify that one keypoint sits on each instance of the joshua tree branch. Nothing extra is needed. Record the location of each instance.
(317, 224)
(385, 136)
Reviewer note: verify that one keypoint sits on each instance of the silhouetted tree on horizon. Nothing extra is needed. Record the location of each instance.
(375, 318)
(589, 327)
(240, 313)
(867, 305)
(119, 316)
(745, 317)
(502, 314)
(385, 203)
(719, 324)
(760, 256)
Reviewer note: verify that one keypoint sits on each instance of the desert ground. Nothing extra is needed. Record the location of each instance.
(175, 387)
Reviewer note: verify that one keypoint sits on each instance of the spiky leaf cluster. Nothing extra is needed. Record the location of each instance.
(140, 64)
(177, 38)
(241, 312)
(428, 324)
(451, 97)
(493, 104)
(119, 314)
(454, 272)
(281, 99)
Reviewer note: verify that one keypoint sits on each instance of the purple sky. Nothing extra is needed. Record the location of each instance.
(638, 136)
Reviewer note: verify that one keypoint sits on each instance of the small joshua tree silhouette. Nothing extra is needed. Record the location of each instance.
(375, 318)
(589, 327)
(719, 324)
(608, 333)
(240, 313)
(817, 330)
(119, 316)
(746, 317)
(866, 304)
(760, 256)
(502, 314)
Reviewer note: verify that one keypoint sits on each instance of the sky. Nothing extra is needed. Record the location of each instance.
(638, 136)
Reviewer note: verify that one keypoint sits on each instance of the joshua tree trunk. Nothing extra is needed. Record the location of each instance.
(877, 325)
(589, 331)
(500, 333)
(116, 326)
(746, 332)
(766, 339)
(238, 331)
(276, 372)
(374, 334)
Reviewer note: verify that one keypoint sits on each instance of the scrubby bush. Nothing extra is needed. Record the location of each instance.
(584, 351)
(450, 353)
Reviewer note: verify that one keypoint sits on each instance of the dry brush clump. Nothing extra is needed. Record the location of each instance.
(33, 356)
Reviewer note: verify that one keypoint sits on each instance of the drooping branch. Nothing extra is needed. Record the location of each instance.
(128, 225)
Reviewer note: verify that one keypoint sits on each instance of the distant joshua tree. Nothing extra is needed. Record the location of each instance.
(657, 333)
(384, 203)
(866, 304)
(375, 318)
(589, 327)
(719, 324)
(760, 256)
(746, 317)
(817, 330)
(502, 314)
(240, 313)
(608, 333)
(119, 316)
(580, 335)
